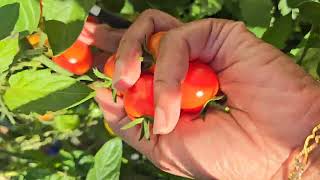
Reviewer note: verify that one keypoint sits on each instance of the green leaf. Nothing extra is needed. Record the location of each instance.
(284, 8)
(66, 11)
(311, 40)
(66, 122)
(258, 31)
(279, 33)
(30, 85)
(295, 3)
(29, 14)
(139, 5)
(10, 13)
(256, 13)
(66, 98)
(310, 11)
(64, 21)
(59, 176)
(108, 160)
(112, 5)
(91, 174)
(202, 8)
(132, 123)
(41, 91)
(9, 47)
(311, 62)
(61, 36)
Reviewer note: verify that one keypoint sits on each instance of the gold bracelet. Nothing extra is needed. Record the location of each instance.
(301, 160)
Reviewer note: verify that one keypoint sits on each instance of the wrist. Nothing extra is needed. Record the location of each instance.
(313, 170)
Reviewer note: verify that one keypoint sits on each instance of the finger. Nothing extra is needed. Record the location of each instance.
(128, 66)
(198, 40)
(102, 36)
(100, 60)
(116, 118)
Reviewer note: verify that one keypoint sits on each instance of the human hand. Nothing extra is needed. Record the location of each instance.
(273, 102)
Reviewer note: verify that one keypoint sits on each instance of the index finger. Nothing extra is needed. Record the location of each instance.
(127, 70)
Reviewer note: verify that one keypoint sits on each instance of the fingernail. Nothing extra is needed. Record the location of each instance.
(159, 121)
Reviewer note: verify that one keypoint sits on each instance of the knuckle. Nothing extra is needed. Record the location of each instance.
(149, 13)
(240, 25)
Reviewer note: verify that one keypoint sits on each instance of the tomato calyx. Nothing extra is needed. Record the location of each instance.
(145, 122)
(107, 83)
(217, 102)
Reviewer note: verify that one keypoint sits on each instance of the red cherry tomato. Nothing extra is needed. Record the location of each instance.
(77, 59)
(138, 100)
(109, 66)
(200, 85)
(154, 43)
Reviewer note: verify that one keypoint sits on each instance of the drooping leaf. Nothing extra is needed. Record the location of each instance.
(61, 99)
(256, 13)
(279, 33)
(10, 13)
(41, 91)
(108, 160)
(64, 21)
(29, 14)
(61, 36)
(9, 47)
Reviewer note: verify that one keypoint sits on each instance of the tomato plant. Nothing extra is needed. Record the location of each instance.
(76, 59)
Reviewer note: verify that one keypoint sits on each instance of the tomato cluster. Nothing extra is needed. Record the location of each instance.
(199, 86)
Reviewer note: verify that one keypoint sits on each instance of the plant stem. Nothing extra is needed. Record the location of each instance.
(4, 110)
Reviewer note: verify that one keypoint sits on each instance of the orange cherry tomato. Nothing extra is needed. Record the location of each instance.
(138, 100)
(34, 40)
(46, 117)
(154, 43)
(77, 59)
(200, 85)
(109, 66)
